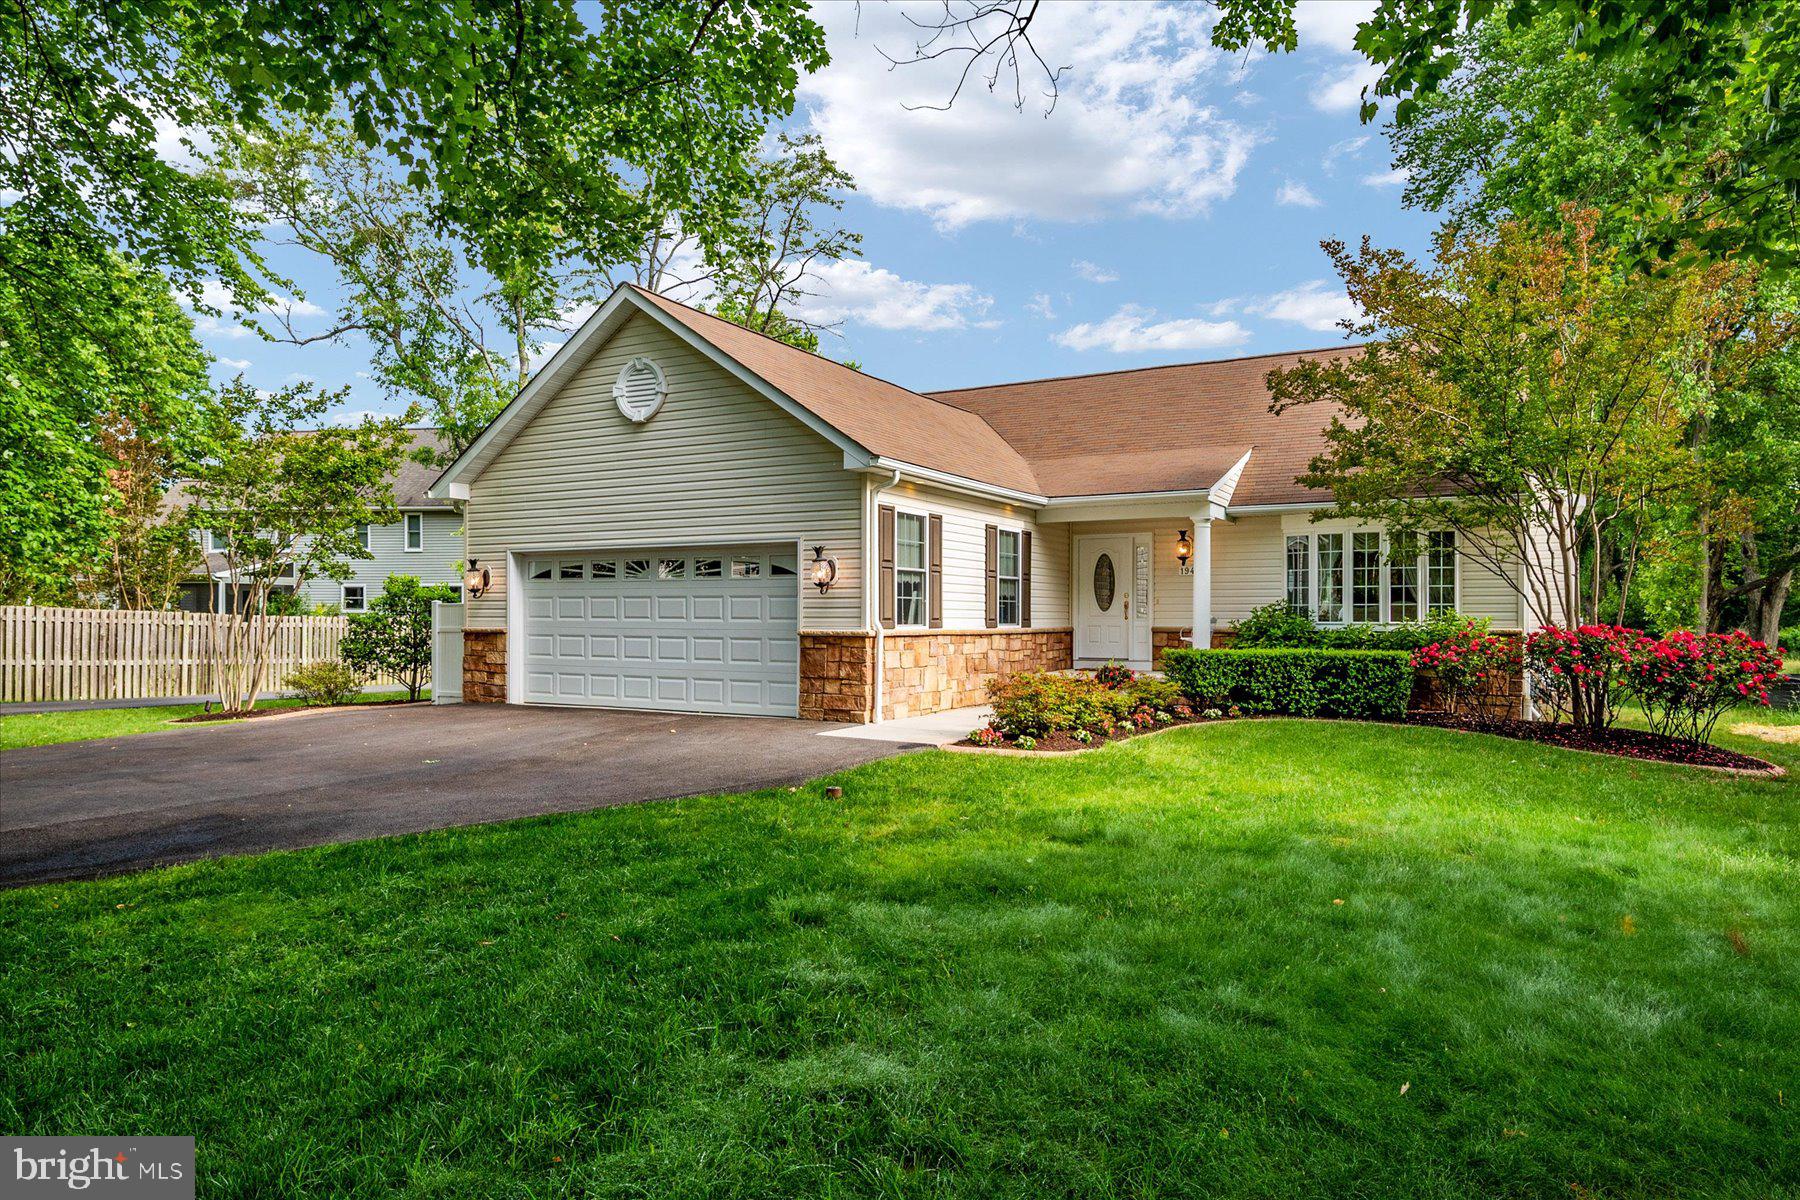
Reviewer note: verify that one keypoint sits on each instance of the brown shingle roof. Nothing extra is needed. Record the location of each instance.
(879, 416)
(1158, 428)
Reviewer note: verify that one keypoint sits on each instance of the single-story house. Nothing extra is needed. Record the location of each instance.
(426, 543)
(678, 513)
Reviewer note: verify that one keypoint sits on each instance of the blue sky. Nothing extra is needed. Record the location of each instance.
(1169, 208)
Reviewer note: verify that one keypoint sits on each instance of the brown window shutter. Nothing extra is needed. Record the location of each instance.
(934, 567)
(1025, 579)
(993, 564)
(885, 540)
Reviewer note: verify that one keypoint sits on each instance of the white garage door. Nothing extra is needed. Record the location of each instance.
(701, 630)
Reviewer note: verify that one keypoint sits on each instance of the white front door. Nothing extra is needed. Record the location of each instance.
(1103, 575)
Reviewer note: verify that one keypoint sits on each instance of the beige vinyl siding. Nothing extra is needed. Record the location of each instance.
(439, 561)
(1241, 571)
(966, 519)
(718, 463)
(1486, 594)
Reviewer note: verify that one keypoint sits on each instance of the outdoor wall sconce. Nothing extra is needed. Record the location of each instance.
(475, 580)
(824, 570)
(1184, 548)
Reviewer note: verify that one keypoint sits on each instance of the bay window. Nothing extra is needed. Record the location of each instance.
(1373, 580)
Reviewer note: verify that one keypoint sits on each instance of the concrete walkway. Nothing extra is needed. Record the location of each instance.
(938, 729)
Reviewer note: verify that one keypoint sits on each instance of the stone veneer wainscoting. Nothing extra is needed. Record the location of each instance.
(930, 670)
(837, 677)
(484, 666)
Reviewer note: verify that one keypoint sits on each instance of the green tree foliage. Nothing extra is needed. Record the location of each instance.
(1526, 393)
(1525, 128)
(100, 386)
(287, 502)
(1697, 98)
(394, 636)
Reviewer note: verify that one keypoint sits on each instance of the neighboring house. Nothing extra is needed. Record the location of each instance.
(648, 507)
(426, 542)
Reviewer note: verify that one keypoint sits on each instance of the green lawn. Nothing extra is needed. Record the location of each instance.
(1269, 958)
(79, 725)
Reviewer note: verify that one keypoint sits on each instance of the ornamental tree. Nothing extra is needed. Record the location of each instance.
(394, 636)
(1523, 391)
(286, 503)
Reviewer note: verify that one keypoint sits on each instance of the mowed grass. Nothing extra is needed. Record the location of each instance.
(1259, 959)
(83, 724)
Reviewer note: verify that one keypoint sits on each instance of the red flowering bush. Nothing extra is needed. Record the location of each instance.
(987, 735)
(1114, 675)
(1685, 681)
(1464, 662)
(1575, 671)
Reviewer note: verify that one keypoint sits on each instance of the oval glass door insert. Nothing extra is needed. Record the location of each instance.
(1105, 582)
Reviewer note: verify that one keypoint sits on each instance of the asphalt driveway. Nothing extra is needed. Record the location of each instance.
(118, 804)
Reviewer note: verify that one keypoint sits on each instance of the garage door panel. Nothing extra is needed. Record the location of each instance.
(698, 630)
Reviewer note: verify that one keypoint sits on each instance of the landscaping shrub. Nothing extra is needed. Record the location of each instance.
(1685, 681)
(1466, 661)
(326, 683)
(1575, 671)
(394, 637)
(1035, 703)
(1305, 683)
(1281, 626)
(1114, 675)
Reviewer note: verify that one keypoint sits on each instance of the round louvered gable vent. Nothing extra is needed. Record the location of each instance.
(640, 389)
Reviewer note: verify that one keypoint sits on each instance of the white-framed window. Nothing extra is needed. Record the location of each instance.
(1008, 582)
(415, 531)
(216, 541)
(1330, 609)
(362, 536)
(1377, 582)
(909, 569)
(354, 599)
(1299, 575)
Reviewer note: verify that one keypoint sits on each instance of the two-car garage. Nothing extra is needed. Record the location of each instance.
(688, 629)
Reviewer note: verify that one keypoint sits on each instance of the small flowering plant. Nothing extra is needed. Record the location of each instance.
(987, 735)
(1462, 664)
(1114, 675)
(1686, 681)
(1575, 671)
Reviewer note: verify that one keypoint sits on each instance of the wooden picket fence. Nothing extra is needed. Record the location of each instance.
(51, 654)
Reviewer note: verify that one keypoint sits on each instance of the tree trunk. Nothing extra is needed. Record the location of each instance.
(1766, 604)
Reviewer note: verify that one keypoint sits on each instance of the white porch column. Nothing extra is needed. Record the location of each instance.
(1202, 560)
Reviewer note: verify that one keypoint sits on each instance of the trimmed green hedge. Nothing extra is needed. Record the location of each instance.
(1302, 683)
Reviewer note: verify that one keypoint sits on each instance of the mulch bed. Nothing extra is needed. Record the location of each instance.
(1626, 743)
(222, 715)
(1062, 743)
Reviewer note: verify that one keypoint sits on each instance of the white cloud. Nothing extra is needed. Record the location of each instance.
(852, 290)
(236, 364)
(1041, 306)
(1094, 272)
(1341, 90)
(1339, 151)
(214, 294)
(1331, 24)
(1395, 178)
(1297, 194)
(1315, 304)
(1133, 130)
(1134, 329)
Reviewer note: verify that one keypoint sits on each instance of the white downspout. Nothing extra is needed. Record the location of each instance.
(871, 584)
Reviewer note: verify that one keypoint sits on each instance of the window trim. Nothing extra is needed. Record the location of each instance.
(344, 598)
(923, 570)
(363, 533)
(1018, 536)
(407, 521)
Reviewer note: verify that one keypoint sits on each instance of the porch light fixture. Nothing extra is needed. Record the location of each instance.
(1184, 547)
(475, 580)
(823, 571)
